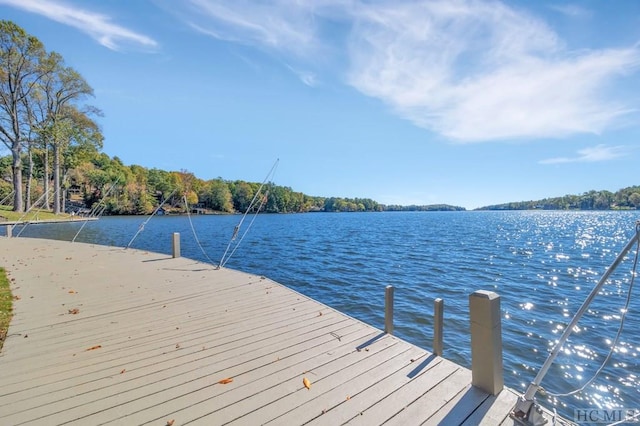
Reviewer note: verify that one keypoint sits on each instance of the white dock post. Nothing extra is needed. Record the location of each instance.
(176, 244)
(438, 314)
(486, 341)
(388, 310)
(9, 230)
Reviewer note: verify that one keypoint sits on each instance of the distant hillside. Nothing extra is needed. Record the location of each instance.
(623, 199)
(427, 208)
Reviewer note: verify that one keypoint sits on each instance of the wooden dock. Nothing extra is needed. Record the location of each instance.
(103, 335)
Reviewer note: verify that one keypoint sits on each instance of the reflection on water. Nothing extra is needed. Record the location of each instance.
(543, 264)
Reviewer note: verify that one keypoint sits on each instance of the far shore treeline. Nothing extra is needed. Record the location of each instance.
(55, 159)
(623, 199)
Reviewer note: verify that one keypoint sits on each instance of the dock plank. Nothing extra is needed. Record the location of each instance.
(153, 336)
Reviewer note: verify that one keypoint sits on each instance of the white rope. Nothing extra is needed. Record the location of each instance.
(97, 210)
(27, 212)
(618, 334)
(142, 225)
(236, 229)
(264, 199)
(195, 236)
(7, 198)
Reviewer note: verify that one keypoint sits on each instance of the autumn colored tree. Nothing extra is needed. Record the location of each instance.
(61, 88)
(20, 73)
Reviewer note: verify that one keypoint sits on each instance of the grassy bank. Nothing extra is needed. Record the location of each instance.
(35, 214)
(6, 300)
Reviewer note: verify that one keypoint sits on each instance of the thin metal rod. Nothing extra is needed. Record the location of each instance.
(7, 198)
(224, 259)
(95, 211)
(143, 224)
(535, 385)
(25, 224)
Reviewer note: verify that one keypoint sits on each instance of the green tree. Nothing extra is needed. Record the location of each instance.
(20, 73)
(242, 194)
(60, 88)
(219, 196)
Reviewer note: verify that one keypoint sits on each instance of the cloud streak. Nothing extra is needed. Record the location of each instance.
(470, 71)
(276, 25)
(478, 71)
(590, 155)
(98, 26)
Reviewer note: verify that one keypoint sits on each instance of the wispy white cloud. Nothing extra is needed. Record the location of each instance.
(591, 155)
(477, 71)
(278, 25)
(470, 70)
(307, 77)
(100, 27)
(572, 10)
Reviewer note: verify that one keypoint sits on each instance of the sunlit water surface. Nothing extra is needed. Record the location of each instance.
(542, 264)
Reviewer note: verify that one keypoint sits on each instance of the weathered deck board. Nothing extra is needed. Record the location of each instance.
(165, 331)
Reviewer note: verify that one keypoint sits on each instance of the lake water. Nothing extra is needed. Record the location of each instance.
(542, 264)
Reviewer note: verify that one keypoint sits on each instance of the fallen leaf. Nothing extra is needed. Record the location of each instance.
(16, 297)
(319, 314)
(123, 370)
(74, 311)
(226, 381)
(71, 291)
(348, 397)
(306, 383)
(94, 347)
(177, 345)
(170, 422)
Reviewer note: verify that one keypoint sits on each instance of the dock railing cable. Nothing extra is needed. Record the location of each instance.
(5, 199)
(143, 224)
(232, 246)
(523, 409)
(97, 210)
(24, 226)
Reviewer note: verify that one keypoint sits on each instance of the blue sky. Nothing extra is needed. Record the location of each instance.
(468, 103)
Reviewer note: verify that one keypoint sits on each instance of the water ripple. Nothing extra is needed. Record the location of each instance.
(543, 265)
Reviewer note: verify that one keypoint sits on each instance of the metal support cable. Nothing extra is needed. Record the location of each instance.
(143, 224)
(237, 228)
(618, 333)
(97, 210)
(195, 235)
(525, 403)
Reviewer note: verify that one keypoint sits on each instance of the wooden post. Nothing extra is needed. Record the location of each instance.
(438, 314)
(388, 310)
(176, 244)
(9, 230)
(486, 341)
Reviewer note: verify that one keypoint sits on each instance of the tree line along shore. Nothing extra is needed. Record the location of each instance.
(55, 160)
(56, 163)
